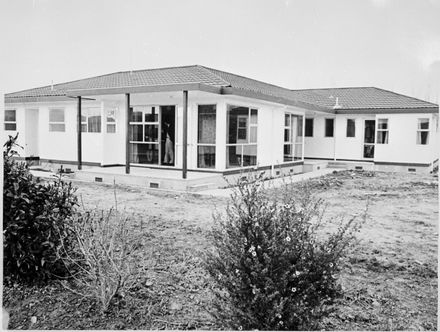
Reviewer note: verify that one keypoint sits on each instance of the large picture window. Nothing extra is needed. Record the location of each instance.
(382, 131)
(423, 131)
(56, 120)
(91, 120)
(206, 136)
(10, 120)
(293, 137)
(241, 145)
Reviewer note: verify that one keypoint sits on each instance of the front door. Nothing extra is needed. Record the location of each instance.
(369, 139)
(31, 127)
(167, 124)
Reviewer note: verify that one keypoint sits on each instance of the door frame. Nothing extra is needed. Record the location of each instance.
(364, 120)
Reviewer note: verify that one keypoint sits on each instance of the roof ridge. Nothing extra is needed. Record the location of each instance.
(248, 78)
(209, 70)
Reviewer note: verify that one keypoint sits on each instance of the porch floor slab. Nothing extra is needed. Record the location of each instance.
(152, 178)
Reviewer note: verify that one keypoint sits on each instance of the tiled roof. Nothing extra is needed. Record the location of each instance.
(150, 77)
(228, 83)
(360, 99)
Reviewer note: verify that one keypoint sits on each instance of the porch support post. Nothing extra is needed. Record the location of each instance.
(185, 135)
(127, 133)
(79, 133)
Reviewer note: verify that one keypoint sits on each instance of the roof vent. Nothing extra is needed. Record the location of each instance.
(337, 106)
(51, 86)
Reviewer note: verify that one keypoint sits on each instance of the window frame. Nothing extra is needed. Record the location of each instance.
(381, 130)
(8, 122)
(325, 127)
(312, 128)
(354, 128)
(420, 131)
(54, 123)
(198, 144)
(107, 112)
(292, 140)
(248, 142)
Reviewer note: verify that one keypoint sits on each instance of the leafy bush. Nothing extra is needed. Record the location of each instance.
(105, 256)
(273, 264)
(35, 216)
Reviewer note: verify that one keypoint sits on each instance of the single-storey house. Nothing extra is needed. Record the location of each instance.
(195, 118)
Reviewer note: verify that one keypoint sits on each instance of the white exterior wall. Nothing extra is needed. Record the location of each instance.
(320, 146)
(350, 148)
(402, 142)
(401, 147)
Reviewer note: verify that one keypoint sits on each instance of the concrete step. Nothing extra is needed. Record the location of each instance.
(201, 187)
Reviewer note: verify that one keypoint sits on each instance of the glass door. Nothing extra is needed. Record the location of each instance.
(369, 139)
(167, 137)
(144, 135)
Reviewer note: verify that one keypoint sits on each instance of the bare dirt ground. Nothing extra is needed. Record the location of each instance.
(390, 279)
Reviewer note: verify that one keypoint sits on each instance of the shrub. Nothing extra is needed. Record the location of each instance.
(105, 256)
(272, 263)
(35, 215)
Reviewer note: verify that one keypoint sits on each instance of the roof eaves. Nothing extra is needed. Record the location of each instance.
(275, 99)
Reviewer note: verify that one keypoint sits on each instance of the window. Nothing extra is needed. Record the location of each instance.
(351, 128)
(241, 145)
(309, 128)
(382, 131)
(91, 120)
(144, 135)
(56, 120)
(10, 120)
(206, 136)
(423, 131)
(293, 137)
(111, 120)
(329, 127)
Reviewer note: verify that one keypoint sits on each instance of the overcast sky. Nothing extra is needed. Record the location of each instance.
(392, 44)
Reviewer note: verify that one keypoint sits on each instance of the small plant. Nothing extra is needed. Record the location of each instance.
(34, 214)
(273, 264)
(104, 261)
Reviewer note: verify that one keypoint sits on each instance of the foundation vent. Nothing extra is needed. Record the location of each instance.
(98, 179)
(154, 184)
(359, 168)
(412, 170)
(277, 173)
(291, 170)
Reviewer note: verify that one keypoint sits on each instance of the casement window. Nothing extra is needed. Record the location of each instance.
(91, 120)
(110, 118)
(351, 128)
(423, 131)
(206, 136)
(293, 137)
(11, 120)
(309, 127)
(241, 145)
(382, 131)
(329, 127)
(56, 120)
